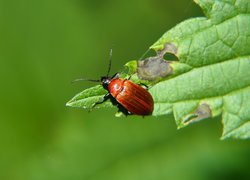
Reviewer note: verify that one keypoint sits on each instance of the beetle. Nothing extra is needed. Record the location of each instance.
(130, 98)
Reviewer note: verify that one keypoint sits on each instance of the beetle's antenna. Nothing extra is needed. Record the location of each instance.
(84, 79)
(110, 61)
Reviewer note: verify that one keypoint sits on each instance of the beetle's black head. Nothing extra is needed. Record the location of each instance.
(105, 81)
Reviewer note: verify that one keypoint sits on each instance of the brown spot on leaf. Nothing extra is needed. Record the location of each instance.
(203, 111)
(153, 68)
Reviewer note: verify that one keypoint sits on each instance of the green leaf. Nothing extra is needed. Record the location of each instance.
(217, 49)
(89, 97)
(210, 76)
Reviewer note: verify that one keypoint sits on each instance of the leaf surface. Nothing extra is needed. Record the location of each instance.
(217, 49)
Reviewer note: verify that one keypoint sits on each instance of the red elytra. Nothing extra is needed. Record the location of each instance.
(134, 98)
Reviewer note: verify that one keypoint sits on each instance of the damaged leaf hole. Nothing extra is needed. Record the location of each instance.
(170, 57)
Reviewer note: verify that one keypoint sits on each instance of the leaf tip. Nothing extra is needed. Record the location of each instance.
(70, 103)
(180, 126)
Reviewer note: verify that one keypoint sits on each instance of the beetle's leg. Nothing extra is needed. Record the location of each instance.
(116, 75)
(124, 111)
(142, 84)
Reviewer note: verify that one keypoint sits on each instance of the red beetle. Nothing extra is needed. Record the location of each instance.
(134, 98)
(129, 97)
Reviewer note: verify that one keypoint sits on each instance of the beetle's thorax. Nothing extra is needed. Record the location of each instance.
(115, 86)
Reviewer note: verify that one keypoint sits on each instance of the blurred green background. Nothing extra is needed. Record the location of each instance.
(44, 46)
